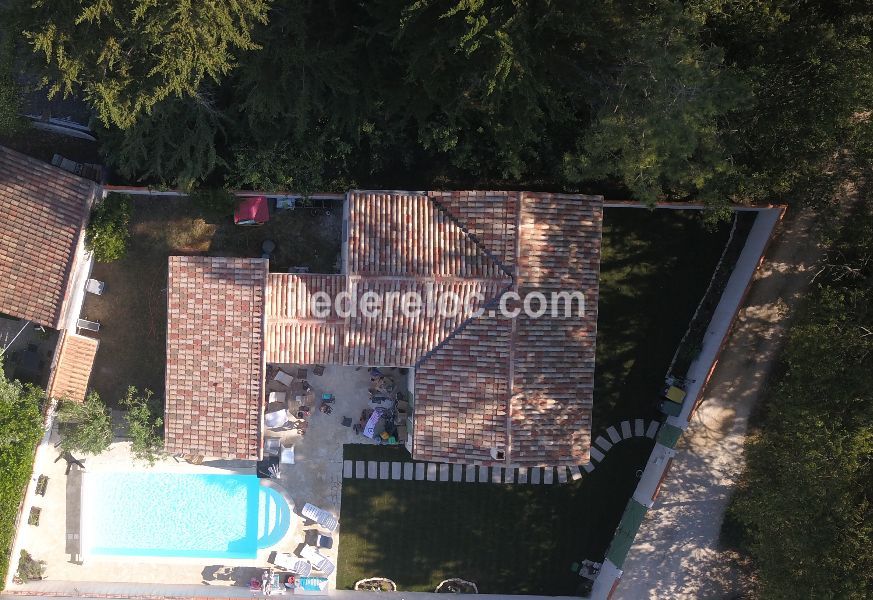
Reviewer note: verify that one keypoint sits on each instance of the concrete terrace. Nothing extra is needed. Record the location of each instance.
(316, 477)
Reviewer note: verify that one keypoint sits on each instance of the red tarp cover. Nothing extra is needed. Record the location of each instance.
(253, 209)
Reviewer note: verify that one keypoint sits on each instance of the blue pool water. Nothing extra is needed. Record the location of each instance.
(170, 514)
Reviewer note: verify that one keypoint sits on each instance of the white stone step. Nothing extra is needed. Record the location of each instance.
(626, 430)
(596, 454)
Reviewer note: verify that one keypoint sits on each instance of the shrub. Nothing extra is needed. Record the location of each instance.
(108, 231)
(20, 430)
(88, 427)
(28, 568)
(144, 424)
(218, 203)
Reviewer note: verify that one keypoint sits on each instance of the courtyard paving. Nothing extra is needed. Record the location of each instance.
(316, 477)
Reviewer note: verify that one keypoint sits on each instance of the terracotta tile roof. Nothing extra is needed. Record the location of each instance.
(553, 357)
(404, 233)
(215, 356)
(392, 338)
(73, 370)
(44, 210)
(462, 395)
(520, 385)
(293, 335)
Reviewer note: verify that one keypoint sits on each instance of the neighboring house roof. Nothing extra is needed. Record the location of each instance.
(75, 360)
(44, 211)
(523, 385)
(215, 356)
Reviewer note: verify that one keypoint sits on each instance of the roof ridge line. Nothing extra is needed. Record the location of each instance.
(472, 237)
(463, 325)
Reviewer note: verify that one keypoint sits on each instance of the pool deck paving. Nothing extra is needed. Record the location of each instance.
(315, 477)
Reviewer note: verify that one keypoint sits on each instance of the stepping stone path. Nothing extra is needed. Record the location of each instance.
(596, 454)
(604, 444)
(419, 471)
(548, 475)
(639, 428)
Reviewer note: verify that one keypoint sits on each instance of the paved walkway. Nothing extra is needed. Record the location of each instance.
(676, 553)
(419, 471)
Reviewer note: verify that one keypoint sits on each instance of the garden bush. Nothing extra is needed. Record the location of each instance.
(144, 424)
(20, 430)
(108, 231)
(87, 426)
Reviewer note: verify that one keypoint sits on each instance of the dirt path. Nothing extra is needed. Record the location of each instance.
(676, 552)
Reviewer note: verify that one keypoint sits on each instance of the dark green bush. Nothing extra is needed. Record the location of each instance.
(108, 231)
(88, 426)
(20, 430)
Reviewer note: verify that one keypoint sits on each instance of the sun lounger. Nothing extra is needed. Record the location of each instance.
(298, 566)
(322, 517)
(283, 378)
(276, 419)
(318, 561)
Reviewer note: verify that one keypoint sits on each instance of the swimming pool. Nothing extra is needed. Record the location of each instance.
(183, 515)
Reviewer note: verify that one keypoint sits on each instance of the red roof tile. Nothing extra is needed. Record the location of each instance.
(75, 360)
(44, 210)
(215, 356)
(520, 385)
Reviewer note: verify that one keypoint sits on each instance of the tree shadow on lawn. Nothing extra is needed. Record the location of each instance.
(655, 268)
(508, 538)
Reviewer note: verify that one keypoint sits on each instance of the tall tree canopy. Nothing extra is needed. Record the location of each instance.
(804, 506)
(714, 100)
(125, 56)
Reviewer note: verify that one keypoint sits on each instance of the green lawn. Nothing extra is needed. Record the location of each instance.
(506, 538)
(655, 268)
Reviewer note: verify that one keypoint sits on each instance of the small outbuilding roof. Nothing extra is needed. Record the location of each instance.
(69, 381)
